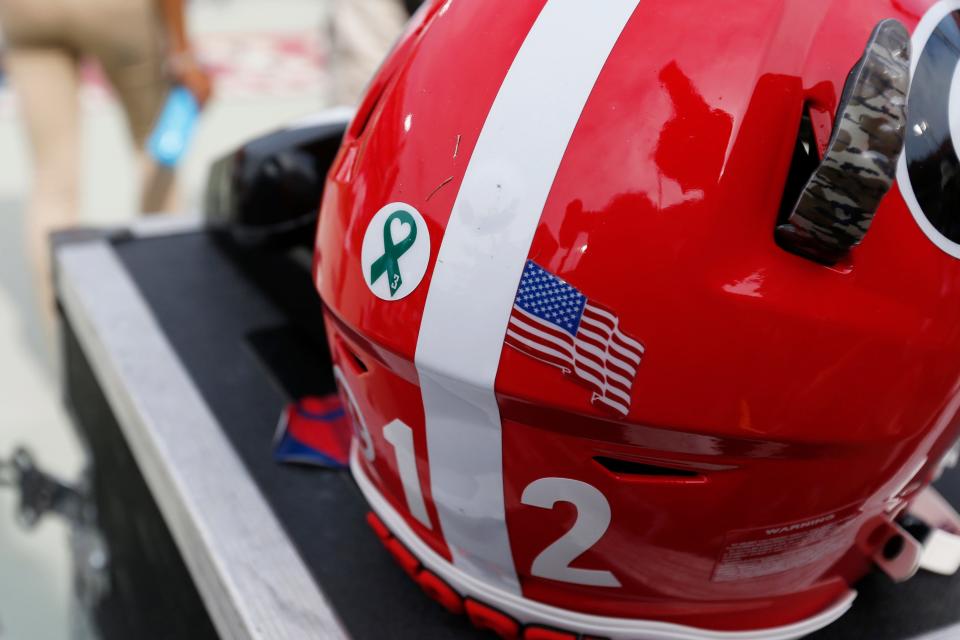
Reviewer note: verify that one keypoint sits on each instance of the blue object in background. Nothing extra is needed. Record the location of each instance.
(314, 431)
(174, 129)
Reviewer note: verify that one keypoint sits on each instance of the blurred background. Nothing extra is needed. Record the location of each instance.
(270, 62)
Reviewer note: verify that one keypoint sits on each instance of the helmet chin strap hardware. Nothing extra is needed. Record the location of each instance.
(837, 205)
(950, 460)
(941, 546)
(900, 554)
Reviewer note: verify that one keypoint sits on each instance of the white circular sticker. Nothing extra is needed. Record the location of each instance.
(395, 252)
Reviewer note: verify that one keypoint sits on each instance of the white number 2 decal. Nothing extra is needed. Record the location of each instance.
(400, 436)
(593, 518)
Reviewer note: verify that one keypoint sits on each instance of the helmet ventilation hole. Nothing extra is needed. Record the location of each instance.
(356, 363)
(837, 204)
(805, 161)
(620, 467)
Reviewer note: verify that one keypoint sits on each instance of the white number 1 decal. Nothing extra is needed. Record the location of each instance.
(593, 518)
(401, 437)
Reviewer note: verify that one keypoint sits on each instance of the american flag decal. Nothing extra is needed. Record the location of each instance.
(555, 323)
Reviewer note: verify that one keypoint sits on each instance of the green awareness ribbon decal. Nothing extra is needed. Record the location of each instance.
(389, 262)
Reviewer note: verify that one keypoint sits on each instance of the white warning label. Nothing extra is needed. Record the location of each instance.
(763, 552)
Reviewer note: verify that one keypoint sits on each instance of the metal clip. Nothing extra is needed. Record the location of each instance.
(899, 555)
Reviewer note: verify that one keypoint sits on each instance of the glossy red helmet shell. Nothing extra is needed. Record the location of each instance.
(590, 389)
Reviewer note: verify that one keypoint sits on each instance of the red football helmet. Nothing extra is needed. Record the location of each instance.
(626, 350)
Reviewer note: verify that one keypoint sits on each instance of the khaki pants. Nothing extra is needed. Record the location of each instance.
(46, 40)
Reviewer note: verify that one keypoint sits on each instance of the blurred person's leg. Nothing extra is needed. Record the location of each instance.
(47, 84)
(125, 36)
(158, 186)
(362, 32)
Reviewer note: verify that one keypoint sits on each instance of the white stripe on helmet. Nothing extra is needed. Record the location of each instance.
(481, 259)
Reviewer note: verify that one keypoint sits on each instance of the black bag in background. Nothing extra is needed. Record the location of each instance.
(412, 5)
